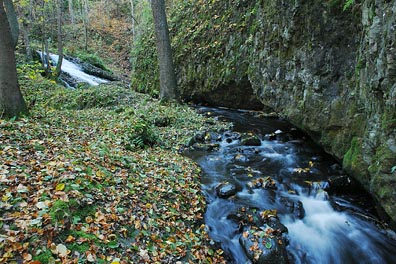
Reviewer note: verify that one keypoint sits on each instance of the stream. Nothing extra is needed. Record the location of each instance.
(273, 196)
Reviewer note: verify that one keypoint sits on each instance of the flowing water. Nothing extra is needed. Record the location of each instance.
(76, 71)
(334, 225)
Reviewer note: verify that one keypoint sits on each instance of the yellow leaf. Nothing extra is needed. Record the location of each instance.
(5, 198)
(60, 187)
(100, 174)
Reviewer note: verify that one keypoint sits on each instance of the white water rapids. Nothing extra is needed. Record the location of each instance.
(76, 71)
(337, 228)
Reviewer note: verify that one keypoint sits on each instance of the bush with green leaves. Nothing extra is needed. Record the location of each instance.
(93, 59)
(140, 134)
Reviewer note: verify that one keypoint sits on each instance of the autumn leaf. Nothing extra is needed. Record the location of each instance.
(60, 187)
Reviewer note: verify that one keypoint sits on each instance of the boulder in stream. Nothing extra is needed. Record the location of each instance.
(265, 183)
(293, 207)
(206, 147)
(250, 139)
(226, 189)
(264, 245)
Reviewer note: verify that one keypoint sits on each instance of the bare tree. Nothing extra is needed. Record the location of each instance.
(71, 11)
(85, 14)
(25, 17)
(60, 39)
(168, 85)
(11, 100)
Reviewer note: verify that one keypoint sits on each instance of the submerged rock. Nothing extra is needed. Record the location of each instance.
(241, 158)
(293, 207)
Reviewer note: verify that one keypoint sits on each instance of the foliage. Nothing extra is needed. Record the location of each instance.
(145, 73)
(348, 4)
(92, 59)
(218, 58)
(140, 135)
(73, 191)
(94, 97)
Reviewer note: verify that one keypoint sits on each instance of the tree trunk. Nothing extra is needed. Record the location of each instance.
(11, 100)
(26, 19)
(71, 11)
(47, 58)
(60, 40)
(85, 22)
(133, 19)
(168, 85)
(12, 20)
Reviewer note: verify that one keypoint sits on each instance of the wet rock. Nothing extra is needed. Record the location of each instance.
(230, 135)
(241, 158)
(198, 138)
(293, 207)
(264, 245)
(93, 70)
(297, 134)
(68, 80)
(251, 140)
(316, 188)
(340, 184)
(225, 189)
(265, 183)
(336, 168)
(247, 216)
(206, 147)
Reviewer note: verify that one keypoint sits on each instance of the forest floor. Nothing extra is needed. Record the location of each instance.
(95, 175)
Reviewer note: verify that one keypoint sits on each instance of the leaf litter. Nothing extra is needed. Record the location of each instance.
(82, 185)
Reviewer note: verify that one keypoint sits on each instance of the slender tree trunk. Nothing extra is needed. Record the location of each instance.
(46, 57)
(12, 20)
(60, 40)
(26, 19)
(133, 19)
(11, 100)
(168, 85)
(85, 21)
(71, 11)
(26, 42)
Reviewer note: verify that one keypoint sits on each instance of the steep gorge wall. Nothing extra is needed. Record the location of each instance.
(330, 72)
(333, 74)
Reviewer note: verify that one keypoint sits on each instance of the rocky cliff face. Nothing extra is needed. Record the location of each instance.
(330, 72)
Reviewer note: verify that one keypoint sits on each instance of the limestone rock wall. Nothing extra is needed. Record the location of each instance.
(333, 73)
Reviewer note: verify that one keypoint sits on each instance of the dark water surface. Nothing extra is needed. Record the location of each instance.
(338, 223)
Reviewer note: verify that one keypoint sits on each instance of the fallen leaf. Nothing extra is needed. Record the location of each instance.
(26, 257)
(60, 187)
(62, 250)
